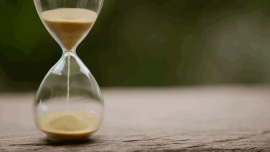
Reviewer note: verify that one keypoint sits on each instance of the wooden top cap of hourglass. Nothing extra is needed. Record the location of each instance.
(69, 24)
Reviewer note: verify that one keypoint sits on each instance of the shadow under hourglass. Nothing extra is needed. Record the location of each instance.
(72, 143)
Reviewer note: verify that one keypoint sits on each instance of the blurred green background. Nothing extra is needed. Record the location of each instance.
(145, 43)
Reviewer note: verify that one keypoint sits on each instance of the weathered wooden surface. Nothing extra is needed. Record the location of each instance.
(212, 118)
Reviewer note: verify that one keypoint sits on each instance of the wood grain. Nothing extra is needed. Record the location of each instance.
(207, 118)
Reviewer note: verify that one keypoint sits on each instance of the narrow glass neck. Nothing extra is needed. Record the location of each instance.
(72, 51)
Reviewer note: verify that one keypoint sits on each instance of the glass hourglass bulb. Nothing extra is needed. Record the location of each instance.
(68, 104)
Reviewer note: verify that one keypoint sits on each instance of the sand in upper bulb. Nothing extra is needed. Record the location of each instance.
(69, 24)
(69, 125)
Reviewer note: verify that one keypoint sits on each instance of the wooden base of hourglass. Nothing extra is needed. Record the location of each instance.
(69, 25)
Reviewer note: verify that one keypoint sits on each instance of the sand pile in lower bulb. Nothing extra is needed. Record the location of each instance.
(68, 122)
(71, 123)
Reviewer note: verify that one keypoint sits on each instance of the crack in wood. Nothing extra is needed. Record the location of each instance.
(226, 140)
(265, 132)
(176, 143)
(156, 145)
(182, 140)
(200, 150)
(131, 140)
(240, 138)
(196, 146)
(140, 140)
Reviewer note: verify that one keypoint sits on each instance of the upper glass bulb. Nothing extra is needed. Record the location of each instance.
(68, 104)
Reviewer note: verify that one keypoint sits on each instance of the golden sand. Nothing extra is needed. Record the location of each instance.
(69, 24)
(70, 124)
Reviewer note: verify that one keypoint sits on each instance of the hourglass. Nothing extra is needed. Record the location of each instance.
(68, 104)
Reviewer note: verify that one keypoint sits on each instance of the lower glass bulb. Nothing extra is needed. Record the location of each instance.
(68, 104)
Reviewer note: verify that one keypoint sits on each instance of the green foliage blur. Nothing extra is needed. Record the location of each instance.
(135, 43)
